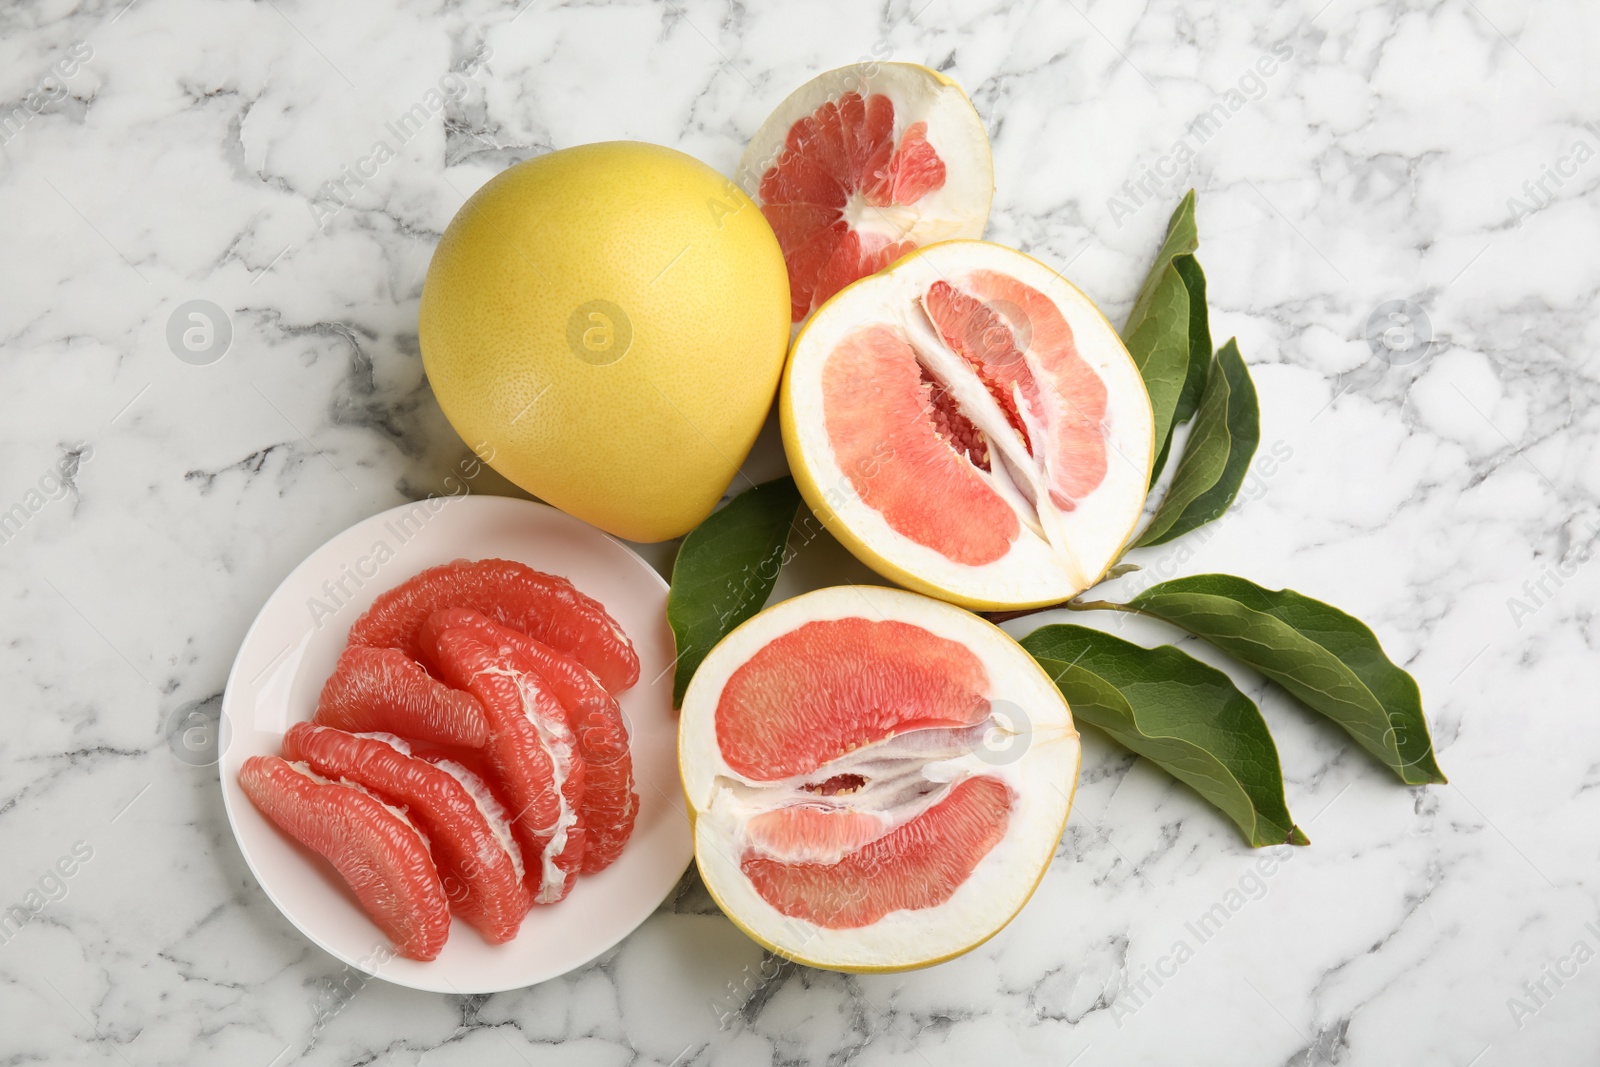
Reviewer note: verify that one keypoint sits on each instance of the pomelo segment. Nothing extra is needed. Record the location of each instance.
(385, 689)
(610, 804)
(918, 866)
(862, 165)
(468, 831)
(877, 780)
(374, 847)
(532, 751)
(970, 426)
(543, 606)
(818, 692)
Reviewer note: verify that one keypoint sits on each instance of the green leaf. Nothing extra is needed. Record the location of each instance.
(1162, 331)
(1187, 718)
(1216, 457)
(725, 571)
(1328, 660)
(1194, 280)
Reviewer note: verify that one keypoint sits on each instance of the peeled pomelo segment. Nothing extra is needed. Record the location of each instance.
(874, 827)
(828, 687)
(812, 833)
(970, 426)
(915, 171)
(374, 847)
(541, 605)
(610, 804)
(385, 689)
(468, 832)
(979, 335)
(1066, 405)
(918, 866)
(862, 165)
(532, 753)
(855, 256)
(910, 454)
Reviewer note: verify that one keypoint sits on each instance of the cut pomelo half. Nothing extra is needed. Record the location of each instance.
(970, 426)
(386, 690)
(532, 752)
(877, 780)
(543, 606)
(375, 847)
(610, 804)
(468, 830)
(860, 166)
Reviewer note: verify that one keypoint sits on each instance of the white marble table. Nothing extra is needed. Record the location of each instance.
(167, 152)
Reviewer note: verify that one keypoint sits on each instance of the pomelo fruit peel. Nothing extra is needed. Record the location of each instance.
(605, 326)
(876, 780)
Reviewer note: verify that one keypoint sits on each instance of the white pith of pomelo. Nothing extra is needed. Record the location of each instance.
(1045, 522)
(796, 168)
(831, 717)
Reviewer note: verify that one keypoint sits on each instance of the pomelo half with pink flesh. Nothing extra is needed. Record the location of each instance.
(969, 424)
(877, 780)
(863, 164)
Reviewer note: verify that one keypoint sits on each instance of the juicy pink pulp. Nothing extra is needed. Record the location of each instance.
(844, 149)
(913, 455)
(509, 669)
(820, 716)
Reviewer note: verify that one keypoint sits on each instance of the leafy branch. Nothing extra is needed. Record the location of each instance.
(1184, 716)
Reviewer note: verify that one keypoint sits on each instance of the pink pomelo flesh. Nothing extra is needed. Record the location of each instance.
(544, 606)
(610, 803)
(378, 852)
(918, 450)
(843, 155)
(828, 687)
(829, 728)
(919, 865)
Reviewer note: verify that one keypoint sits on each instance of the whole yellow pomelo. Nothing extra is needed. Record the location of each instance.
(606, 326)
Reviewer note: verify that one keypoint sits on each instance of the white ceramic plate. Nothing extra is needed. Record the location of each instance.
(290, 651)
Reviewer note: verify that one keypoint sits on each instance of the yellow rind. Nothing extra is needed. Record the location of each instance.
(816, 500)
(732, 916)
(641, 441)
